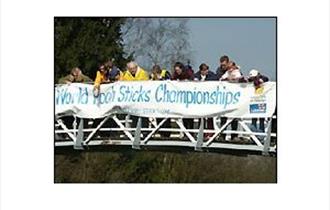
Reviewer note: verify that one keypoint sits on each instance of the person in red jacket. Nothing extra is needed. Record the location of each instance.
(183, 74)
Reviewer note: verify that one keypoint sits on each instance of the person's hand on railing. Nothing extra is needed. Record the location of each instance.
(96, 91)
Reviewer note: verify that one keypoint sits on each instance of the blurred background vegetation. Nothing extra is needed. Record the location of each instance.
(87, 43)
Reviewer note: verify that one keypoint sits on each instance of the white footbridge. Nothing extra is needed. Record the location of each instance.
(120, 132)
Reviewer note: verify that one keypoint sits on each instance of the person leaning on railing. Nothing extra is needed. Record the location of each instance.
(113, 72)
(221, 70)
(136, 73)
(161, 74)
(258, 79)
(75, 76)
(183, 74)
(232, 74)
(205, 75)
(107, 73)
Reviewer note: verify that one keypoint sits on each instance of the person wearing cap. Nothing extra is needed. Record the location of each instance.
(258, 79)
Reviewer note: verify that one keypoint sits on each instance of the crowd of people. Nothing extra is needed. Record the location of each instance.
(227, 71)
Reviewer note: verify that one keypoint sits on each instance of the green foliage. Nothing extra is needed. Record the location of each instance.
(87, 43)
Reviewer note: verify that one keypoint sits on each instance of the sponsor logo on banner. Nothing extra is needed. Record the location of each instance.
(258, 108)
(259, 90)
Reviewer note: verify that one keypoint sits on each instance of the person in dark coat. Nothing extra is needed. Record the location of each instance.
(205, 75)
(221, 70)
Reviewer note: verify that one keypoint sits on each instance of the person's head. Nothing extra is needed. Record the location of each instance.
(75, 72)
(109, 64)
(132, 67)
(204, 69)
(178, 68)
(224, 60)
(102, 68)
(156, 71)
(231, 66)
(253, 73)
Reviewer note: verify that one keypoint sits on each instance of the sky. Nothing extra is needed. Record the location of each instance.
(250, 42)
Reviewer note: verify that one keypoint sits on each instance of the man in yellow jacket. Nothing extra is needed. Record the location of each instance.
(134, 73)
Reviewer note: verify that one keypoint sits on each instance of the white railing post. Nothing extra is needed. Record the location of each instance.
(137, 135)
(78, 143)
(127, 123)
(181, 132)
(74, 125)
(200, 136)
(267, 138)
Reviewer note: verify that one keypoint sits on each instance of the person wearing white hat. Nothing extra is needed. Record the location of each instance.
(257, 79)
(253, 73)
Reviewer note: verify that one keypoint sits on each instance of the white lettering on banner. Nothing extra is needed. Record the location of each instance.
(167, 99)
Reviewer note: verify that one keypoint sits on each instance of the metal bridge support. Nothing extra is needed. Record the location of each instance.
(74, 125)
(267, 138)
(200, 136)
(78, 143)
(137, 135)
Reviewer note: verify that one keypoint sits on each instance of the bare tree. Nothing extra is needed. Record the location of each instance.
(161, 41)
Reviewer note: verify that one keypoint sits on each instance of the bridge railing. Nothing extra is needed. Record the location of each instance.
(118, 130)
